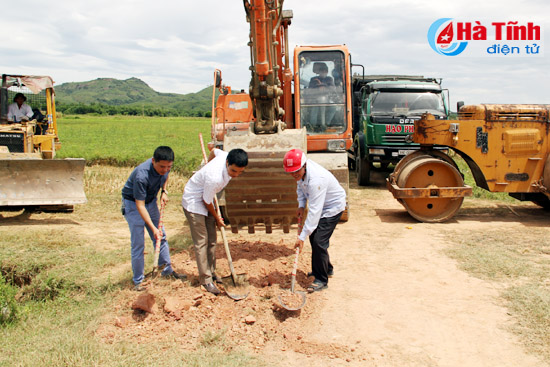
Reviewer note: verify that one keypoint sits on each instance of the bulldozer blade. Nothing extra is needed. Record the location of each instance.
(43, 184)
(264, 193)
(236, 289)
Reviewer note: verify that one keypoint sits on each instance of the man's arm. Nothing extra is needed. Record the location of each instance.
(316, 202)
(28, 110)
(140, 205)
(212, 210)
(163, 192)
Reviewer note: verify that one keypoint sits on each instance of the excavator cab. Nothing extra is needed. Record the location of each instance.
(322, 92)
(322, 96)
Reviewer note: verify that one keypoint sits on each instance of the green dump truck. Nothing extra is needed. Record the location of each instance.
(384, 110)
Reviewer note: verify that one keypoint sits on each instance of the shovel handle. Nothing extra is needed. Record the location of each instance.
(157, 245)
(295, 268)
(222, 229)
(293, 279)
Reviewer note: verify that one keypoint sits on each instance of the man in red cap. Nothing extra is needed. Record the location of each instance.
(326, 201)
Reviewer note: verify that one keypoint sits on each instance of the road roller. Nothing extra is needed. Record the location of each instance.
(505, 146)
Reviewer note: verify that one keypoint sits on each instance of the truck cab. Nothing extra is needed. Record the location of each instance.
(385, 109)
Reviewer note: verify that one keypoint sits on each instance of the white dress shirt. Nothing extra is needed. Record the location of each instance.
(206, 183)
(14, 110)
(323, 193)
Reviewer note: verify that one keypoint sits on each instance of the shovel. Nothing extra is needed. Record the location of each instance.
(155, 271)
(235, 285)
(293, 301)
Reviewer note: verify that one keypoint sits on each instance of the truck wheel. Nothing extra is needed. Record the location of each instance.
(362, 168)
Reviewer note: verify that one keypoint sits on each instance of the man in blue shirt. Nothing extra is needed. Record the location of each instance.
(139, 203)
(326, 200)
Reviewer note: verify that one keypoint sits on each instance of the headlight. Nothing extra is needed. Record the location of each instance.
(377, 151)
(336, 145)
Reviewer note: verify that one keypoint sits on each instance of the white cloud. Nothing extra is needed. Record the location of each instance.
(175, 45)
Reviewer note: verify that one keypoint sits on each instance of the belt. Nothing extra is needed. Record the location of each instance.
(132, 199)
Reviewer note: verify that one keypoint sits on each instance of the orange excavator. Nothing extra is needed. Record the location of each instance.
(308, 107)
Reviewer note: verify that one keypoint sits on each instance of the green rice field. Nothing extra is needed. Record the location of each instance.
(130, 140)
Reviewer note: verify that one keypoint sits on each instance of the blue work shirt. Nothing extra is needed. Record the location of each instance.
(144, 183)
(323, 194)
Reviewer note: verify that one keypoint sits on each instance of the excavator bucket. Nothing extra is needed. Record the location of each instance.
(41, 184)
(264, 193)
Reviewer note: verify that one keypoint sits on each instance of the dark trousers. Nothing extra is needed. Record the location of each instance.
(319, 239)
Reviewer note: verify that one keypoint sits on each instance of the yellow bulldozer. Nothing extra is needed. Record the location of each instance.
(506, 147)
(30, 176)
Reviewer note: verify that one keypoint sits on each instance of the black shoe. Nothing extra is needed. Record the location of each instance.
(211, 287)
(175, 275)
(217, 279)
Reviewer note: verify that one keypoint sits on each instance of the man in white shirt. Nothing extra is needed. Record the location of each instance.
(326, 201)
(198, 206)
(19, 110)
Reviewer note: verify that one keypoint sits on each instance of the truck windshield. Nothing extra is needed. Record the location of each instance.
(407, 103)
(322, 92)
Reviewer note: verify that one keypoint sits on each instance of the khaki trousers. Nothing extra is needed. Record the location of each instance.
(204, 234)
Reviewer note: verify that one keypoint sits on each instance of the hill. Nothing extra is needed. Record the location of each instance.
(131, 92)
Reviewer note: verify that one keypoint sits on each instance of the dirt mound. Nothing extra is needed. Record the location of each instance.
(190, 316)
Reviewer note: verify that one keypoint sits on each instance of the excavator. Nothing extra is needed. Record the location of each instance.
(308, 107)
(30, 176)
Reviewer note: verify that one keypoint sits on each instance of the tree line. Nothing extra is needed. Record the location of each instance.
(129, 110)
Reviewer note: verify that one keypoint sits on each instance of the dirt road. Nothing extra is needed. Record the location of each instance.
(398, 299)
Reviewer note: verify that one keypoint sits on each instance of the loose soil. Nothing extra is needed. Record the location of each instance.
(395, 299)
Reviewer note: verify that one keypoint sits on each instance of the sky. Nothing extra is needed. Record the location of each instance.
(175, 45)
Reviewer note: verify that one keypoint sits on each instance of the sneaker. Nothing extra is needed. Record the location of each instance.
(175, 275)
(211, 287)
(139, 287)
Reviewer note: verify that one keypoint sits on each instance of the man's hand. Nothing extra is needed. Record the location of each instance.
(299, 243)
(219, 222)
(164, 197)
(158, 234)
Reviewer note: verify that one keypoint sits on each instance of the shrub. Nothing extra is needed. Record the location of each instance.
(9, 310)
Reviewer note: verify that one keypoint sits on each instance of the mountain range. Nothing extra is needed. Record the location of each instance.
(130, 92)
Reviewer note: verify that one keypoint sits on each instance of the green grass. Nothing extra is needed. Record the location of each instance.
(519, 260)
(66, 282)
(61, 333)
(130, 140)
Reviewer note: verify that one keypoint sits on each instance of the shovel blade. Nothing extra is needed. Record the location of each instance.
(237, 288)
(292, 301)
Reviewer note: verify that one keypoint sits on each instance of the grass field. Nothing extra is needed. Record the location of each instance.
(130, 140)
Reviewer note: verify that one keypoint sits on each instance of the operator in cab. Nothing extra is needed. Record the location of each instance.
(19, 111)
(198, 206)
(326, 202)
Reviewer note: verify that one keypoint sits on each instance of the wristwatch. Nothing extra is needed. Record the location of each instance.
(162, 191)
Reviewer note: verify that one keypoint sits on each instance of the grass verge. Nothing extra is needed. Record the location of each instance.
(520, 261)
